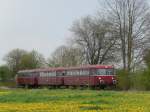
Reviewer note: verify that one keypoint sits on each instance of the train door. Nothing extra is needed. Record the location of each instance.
(60, 77)
(84, 77)
(36, 75)
(92, 77)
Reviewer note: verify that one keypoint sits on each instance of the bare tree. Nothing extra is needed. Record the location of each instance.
(96, 39)
(129, 18)
(65, 56)
(146, 57)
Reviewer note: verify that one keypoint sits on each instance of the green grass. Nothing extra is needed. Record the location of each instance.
(100, 100)
(44, 95)
(7, 83)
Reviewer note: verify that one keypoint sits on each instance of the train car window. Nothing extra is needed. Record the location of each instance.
(92, 71)
(42, 74)
(59, 73)
(46, 74)
(64, 73)
(25, 74)
(49, 74)
(19, 74)
(78, 72)
(73, 72)
(81, 72)
(84, 72)
(87, 72)
(28, 74)
(69, 73)
(22, 75)
(53, 73)
(34, 74)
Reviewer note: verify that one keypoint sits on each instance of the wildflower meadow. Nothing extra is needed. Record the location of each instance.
(68, 100)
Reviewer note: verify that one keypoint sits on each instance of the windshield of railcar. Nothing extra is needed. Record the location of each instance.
(108, 71)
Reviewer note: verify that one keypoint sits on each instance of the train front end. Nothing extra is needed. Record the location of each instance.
(105, 76)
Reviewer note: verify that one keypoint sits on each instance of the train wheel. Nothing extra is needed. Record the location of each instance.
(74, 87)
(27, 86)
(58, 87)
(102, 86)
(91, 87)
(66, 86)
(20, 86)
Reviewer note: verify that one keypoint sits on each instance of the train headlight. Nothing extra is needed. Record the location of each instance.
(114, 81)
(102, 82)
(99, 78)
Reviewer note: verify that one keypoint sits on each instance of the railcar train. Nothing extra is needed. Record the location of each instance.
(93, 76)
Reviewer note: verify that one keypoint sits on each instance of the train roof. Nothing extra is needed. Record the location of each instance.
(66, 68)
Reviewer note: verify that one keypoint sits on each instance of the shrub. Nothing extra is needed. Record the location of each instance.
(5, 73)
(141, 80)
(123, 80)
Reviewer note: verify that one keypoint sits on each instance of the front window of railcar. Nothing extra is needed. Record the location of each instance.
(108, 71)
(24, 74)
(101, 72)
(19, 74)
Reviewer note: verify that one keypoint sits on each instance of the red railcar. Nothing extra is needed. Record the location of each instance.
(93, 75)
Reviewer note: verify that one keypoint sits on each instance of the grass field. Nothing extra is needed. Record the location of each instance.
(67, 100)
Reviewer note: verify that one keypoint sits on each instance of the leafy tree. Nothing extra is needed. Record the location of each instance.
(13, 59)
(32, 60)
(5, 73)
(18, 59)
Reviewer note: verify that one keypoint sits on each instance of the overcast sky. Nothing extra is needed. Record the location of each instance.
(42, 25)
